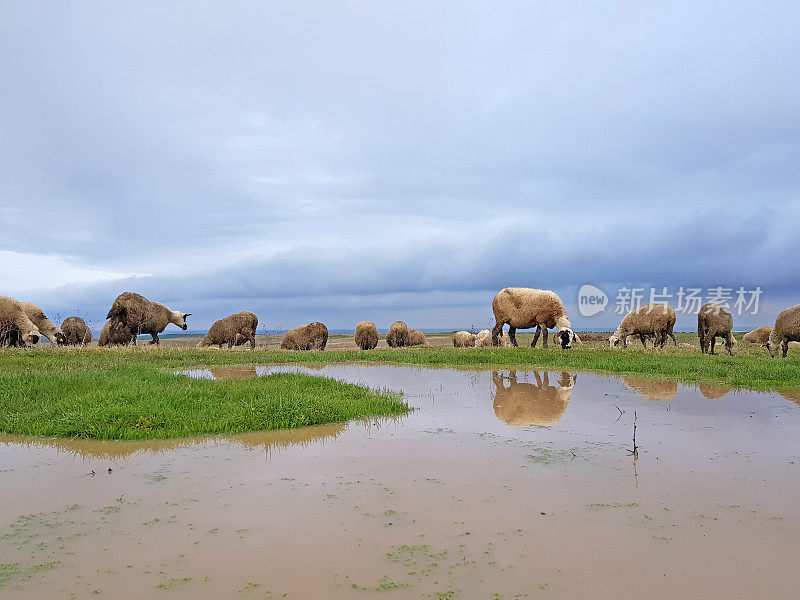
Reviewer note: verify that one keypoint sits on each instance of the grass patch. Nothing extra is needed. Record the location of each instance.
(135, 395)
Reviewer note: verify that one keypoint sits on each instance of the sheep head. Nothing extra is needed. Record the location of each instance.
(773, 345)
(565, 337)
(60, 338)
(32, 337)
(179, 319)
(613, 341)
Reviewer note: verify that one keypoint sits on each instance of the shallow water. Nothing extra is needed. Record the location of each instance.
(501, 485)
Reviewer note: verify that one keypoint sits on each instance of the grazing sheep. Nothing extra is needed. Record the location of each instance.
(524, 308)
(416, 338)
(464, 339)
(758, 336)
(397, 336)
(76, 331)
(312, 336)
(787, 329)
(43, 324)
(366, 335)
(116, 333)
(144, 316)
(714, 321)
(528, 404)
(233, 330)
(484, 339)
(16, 328)
(649, 320)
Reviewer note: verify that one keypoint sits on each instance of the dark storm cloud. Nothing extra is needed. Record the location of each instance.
(353, 157)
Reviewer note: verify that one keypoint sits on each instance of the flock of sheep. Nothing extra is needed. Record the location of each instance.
(131, 314)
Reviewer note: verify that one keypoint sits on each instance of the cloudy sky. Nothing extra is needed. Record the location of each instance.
(340, 161)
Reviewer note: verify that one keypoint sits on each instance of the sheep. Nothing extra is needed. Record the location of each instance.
(539, 404)
(786, 329)
(658, 390)
(523, 308)
(416, 338)
(758, 336)
(116, 333)
(484, 339)
(312, 336)
(43, 324)
(464, 339)
(16, 328)
(233, 330)
(714, 321)
(651, 319)
(366, 335)
(76, 331)
(144, 316)
(397, 336)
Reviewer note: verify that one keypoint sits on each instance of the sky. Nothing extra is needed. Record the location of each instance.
(341, 161)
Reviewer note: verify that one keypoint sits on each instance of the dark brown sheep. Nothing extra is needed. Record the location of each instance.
(76, 331)
(366, 335)
(397, 336)
(416, 338)
(787, 329)
(233, 330)
(649, 320)
(143, 316)
(312, 336)
(116, 333)
(714, 321)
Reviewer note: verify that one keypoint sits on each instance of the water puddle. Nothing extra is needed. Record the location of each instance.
(503, 484)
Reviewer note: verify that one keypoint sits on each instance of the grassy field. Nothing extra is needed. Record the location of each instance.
(133, 393)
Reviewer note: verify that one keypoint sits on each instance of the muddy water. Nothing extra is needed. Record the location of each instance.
(501, 485)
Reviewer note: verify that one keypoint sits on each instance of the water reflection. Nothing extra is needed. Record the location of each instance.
(523, 403)
(112, 449)
(653, 388)
(713, 391)
(233, 372)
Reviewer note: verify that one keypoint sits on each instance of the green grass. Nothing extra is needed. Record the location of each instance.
(133, 393)
(130, 395)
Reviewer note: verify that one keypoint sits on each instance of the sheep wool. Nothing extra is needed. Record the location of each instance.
(656, 320)
(366, 335)
(312, 336)
(714, 321)
(759, 335)
(76, 331)
(464, 339)
(416, 338)
(43, 324)
(397, 336)
(233, 330)
(116, 333)
(525, 308)
(143, 316)
(16, 328)
(786, 329)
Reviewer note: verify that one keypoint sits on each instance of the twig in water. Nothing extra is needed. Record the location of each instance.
(635, 451)
(620, 412)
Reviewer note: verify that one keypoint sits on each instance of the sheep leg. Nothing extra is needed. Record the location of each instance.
(713, 343)
(729, 344)
(155, 339)
(538, 379)
(644, 340)
(498, 327)
(512, 335)
(253, 342)
(536, 336)
(672, 335)
(544, 335)
(702, 341)
(785, 347)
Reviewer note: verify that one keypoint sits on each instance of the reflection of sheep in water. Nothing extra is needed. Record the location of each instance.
(233, 372)
(463, 339)
(312, 336)
(524, 308)
(652, 388)
(656, 320)
(529, 404)
(143, 316)
(115, 333)
(366, 335)
(713, 391)
(397, 336)
(758, 336)
(416, 338)
(235, 329)
(43, 324)
(787, 329)
(76, 331)
(714, 321)
(16, 329)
